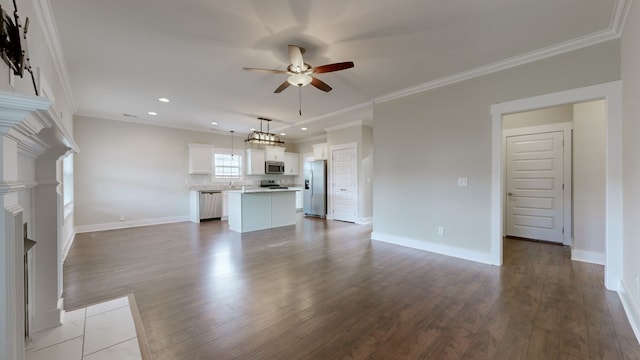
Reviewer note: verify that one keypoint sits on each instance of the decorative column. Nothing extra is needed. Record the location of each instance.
(11, 276)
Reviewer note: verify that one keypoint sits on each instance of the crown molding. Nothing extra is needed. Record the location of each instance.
(345, 125)
(616, 25)
(49, 29)
(621, 8)
(310, 139)
(328, 115)
(620, 16)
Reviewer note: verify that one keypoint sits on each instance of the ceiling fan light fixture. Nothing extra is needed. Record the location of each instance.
(300, 80)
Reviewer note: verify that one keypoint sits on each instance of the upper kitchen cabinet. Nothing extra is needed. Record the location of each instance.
(255, 162)
(200, 159)
(321, 151)
(274, 153)
(291, 164)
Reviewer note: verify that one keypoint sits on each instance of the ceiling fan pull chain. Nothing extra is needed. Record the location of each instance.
(300, 100)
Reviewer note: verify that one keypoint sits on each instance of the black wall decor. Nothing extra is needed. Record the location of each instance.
(13, 44)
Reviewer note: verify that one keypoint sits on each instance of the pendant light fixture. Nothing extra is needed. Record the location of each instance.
(262, 137)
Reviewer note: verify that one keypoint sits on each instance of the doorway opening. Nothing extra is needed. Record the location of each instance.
(611, 94)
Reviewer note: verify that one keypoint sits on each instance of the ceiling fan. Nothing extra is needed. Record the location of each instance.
(300, 73)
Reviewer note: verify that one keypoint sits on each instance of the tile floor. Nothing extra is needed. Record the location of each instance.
(98, 332)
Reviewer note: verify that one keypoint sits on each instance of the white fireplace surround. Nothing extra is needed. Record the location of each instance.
(30, 128)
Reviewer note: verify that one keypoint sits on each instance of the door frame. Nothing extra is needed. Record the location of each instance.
(566, 128)
(612, 94)
(332, 148)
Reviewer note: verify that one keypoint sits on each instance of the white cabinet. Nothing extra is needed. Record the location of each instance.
(321, 151)
(200, 159)
(291, 164)
(255, 162)
(274, 153)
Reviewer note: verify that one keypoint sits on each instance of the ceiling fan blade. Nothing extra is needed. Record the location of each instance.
(333, 67)
(295, 55)
(282, 86)
(266, 70)
(320, 84)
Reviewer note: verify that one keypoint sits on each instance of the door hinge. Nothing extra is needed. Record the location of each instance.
(563, 230)
(562, 186)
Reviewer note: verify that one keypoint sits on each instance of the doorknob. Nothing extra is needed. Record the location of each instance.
(510, 193)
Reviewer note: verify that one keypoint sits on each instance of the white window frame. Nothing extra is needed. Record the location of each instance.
(214, 178)
(67, 173)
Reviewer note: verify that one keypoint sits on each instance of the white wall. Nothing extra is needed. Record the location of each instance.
(138, 171)
(589, 164)
(424, 142)
(631, 162)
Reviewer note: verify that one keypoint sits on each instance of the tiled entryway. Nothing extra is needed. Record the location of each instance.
(102, 331)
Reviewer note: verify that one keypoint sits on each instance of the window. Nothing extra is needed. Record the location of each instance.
(67, 179)
(227, 166)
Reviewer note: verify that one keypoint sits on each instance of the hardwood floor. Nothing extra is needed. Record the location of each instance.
(323, 290)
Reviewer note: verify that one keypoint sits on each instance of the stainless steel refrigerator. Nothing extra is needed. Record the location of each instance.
(315, 188)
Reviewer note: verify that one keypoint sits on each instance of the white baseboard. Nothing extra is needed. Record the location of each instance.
(47, 319)
(588, 256)
(476, 256)
(631, 309)
(364, 221)
(128, 224)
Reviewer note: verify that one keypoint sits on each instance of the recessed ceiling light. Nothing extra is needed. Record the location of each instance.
(283, 134)
(163, 99)
(303, 129)
(152, 113)
(252, 129)
(214, 123)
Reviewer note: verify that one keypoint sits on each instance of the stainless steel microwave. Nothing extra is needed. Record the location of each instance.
(274, 167)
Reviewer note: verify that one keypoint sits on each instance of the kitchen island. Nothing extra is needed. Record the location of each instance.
(260, 209)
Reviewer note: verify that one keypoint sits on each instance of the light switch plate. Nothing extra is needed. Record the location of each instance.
(463, 181)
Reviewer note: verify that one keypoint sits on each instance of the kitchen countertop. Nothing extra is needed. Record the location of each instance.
(261, 190)
(235, 187)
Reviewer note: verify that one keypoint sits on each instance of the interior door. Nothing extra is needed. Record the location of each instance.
(344, 187)
(535, 185)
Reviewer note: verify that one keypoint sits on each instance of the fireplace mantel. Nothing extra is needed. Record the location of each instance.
(30, 126)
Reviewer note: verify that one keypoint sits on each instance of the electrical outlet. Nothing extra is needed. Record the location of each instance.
(441, 230)
(463, 182)
(122, 218)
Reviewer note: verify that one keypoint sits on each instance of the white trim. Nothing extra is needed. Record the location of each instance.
(364, 221)
(612, 93)
(345, 126)
(620, 15)
(50, 31)
(128, 224)
(591, 257)
(567, 194)
(332, 148)
(630, 308)
(433, 247)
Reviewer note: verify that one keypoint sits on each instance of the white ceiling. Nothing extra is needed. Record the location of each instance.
(122, 55)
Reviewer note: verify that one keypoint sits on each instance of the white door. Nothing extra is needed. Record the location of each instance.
(534, 202)
(344, 187)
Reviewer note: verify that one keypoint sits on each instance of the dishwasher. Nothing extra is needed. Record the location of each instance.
(210, 205)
